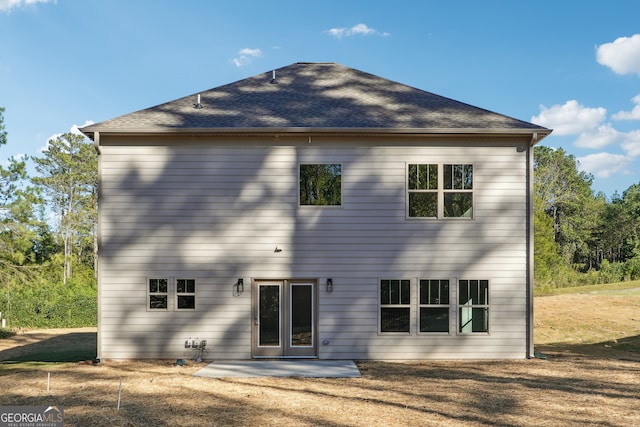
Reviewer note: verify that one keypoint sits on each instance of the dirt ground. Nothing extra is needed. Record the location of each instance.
(583, 381)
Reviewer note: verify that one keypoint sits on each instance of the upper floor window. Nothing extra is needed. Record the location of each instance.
(440, 191)
(320, 185)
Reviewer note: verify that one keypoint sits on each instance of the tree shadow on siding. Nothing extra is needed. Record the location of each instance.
(217, 214)
(218, 225)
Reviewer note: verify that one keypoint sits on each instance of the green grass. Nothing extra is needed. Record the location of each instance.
(67, 348)
(6, 333)
(606, 318)
(629, 344)
(73, 355)
(12, 367)
(619, 288)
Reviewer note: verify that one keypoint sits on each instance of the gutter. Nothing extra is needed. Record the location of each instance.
(530, 349)
(538, 133)
(96, 141)
(96, 145)
(535, 138)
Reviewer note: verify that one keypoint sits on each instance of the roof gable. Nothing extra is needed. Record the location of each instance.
(314, 97)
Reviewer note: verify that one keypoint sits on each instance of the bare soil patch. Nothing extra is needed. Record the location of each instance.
(582, 382)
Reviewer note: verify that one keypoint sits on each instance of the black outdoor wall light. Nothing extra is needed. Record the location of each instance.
(238, 287)
(329, 285)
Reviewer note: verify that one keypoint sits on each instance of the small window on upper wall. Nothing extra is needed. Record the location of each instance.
(186, 294)
(158, 294)
(320, 185)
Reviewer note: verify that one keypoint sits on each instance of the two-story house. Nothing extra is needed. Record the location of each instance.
(316, 211)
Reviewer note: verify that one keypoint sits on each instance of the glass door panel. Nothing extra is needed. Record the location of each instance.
(301, 315)
(269, 315)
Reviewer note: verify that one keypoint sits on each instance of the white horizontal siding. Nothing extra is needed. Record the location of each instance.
(216, 212)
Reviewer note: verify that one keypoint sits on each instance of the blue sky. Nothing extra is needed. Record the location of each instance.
(573, 66)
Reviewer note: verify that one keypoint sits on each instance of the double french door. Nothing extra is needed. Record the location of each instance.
(284, 318)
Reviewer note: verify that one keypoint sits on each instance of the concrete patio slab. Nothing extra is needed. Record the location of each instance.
(281, 368)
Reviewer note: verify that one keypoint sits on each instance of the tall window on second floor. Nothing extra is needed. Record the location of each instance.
(458, 191)
(423, 190)
(320, 185)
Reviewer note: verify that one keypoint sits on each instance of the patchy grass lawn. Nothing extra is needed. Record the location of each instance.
(591, 377)
(596, 323)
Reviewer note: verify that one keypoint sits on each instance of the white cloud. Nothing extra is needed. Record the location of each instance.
(74, 129)
(8, 5)
(629, 115)
(631, 144)
(356, 30)
(602, 136)
(570, 118)
(19, 157)
(45, 147)
(250, 52)
(603, 165)
(246, 55)
(622, 56)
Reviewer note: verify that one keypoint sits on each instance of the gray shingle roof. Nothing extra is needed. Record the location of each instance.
(314, 97)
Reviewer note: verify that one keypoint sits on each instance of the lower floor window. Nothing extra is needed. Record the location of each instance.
(158, 294)
(473, 306)
(395, 305)
(169, 293)
(186, 294)
(434, 305)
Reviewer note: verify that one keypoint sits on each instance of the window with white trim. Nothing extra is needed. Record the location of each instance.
(395, 305)
(320, 184)
(185, 294)
(158, 294)
(433, 305)
(439, 191)
(473, 306)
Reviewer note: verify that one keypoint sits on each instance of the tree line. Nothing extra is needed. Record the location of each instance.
(48, 234)
(49, 221)
(581, 237)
